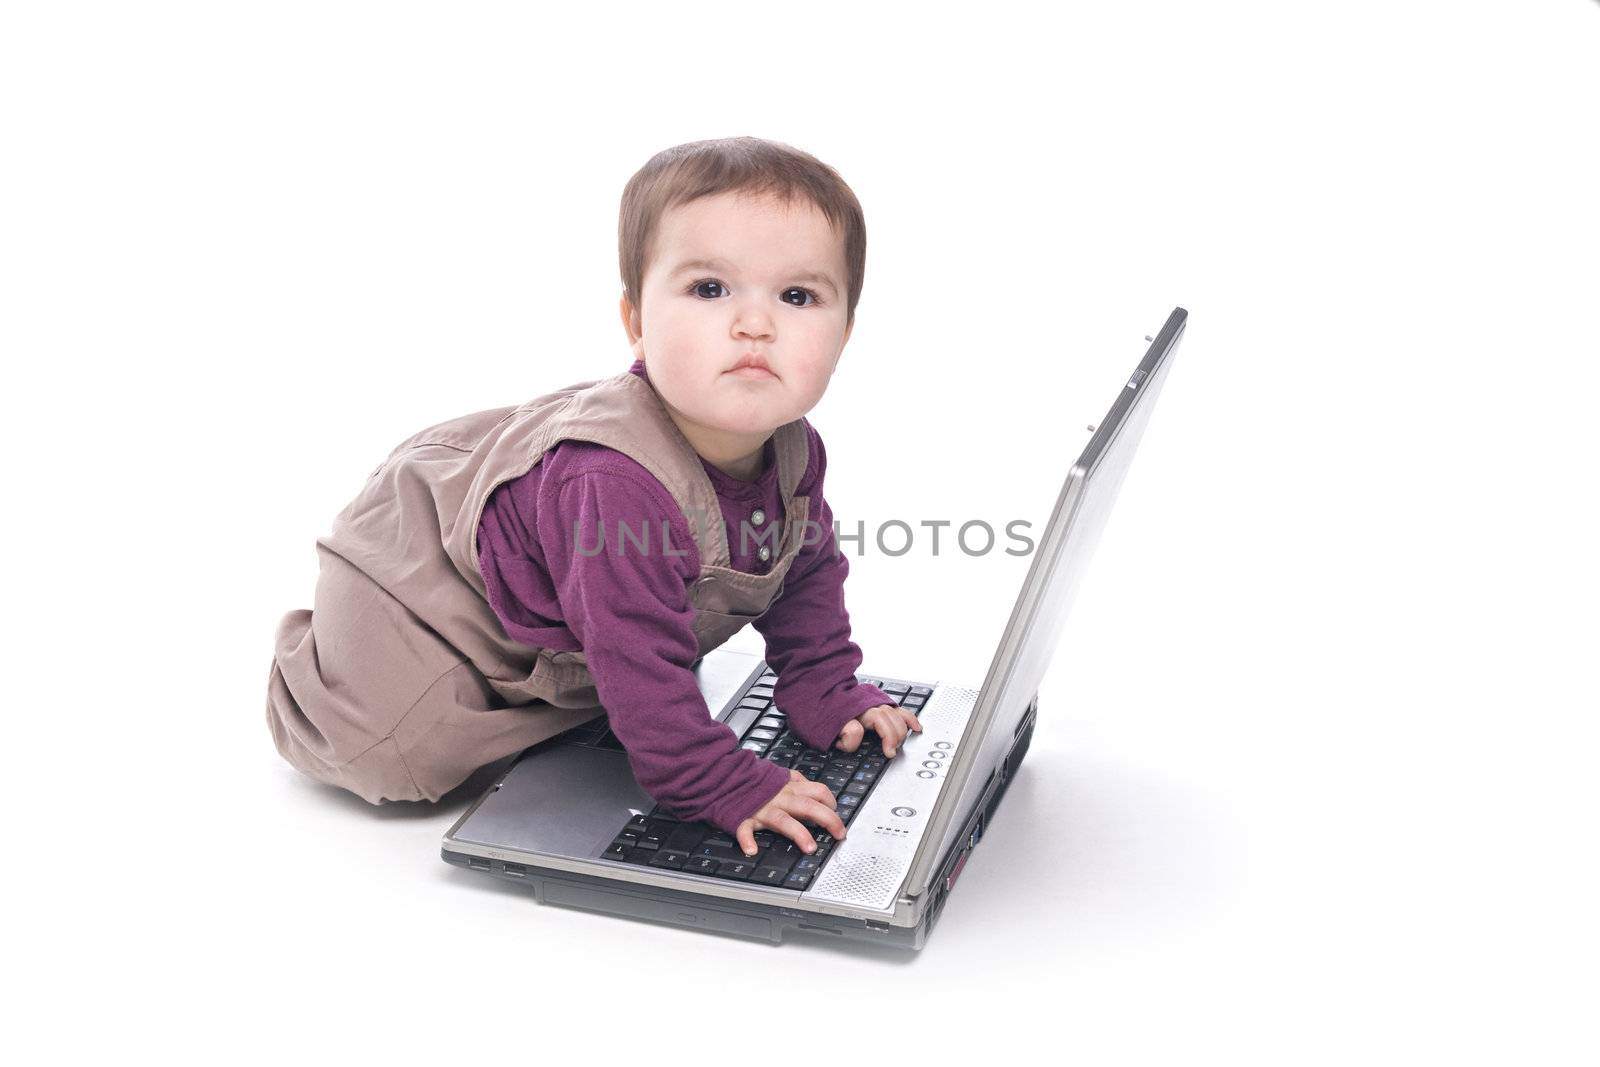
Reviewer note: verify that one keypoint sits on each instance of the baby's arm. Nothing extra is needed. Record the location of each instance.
(632, 615)
(807, 631)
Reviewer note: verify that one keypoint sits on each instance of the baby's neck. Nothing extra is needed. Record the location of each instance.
(745, 466)
(739, 456)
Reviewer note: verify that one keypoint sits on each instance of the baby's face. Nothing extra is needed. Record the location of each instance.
(732, 276)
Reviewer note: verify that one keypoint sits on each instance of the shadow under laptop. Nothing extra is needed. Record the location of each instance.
(693, 935)
(1076, 841)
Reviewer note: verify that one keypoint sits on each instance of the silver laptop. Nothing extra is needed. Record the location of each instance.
(569, 820)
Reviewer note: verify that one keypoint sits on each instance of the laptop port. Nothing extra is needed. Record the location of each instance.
(516, 870)
(950, 882)
(478, 863)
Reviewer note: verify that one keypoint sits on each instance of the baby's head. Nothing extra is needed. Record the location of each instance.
(731, 250)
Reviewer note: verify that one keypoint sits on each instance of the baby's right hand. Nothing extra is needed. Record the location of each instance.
(801, 797)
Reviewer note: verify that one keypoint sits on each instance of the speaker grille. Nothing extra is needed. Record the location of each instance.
(868, 867)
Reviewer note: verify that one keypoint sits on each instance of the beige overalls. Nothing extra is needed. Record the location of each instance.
(400, 682)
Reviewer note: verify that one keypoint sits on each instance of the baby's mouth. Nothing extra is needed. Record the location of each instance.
(753, 366)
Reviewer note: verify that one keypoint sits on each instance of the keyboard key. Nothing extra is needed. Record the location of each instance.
(638, 855)
(617, 851)
(856, 789)
(702, 865)
(921, 692)
(651, 841)
(738, 870)
(798, 880)
(756, 746)
(675, 860)
(847, 800)
(721, 852)
(762, 734)
(769, 875)
(685, 837)
(782, 855)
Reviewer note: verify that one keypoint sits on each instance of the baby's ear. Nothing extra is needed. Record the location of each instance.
(630, 318)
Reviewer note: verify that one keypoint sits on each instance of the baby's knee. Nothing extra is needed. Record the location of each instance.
(374, 770)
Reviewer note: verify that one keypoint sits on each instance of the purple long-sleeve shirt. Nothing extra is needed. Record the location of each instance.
(630, 613)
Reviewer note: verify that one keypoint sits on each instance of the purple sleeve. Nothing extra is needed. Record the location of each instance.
(631, 613)
(807, 629)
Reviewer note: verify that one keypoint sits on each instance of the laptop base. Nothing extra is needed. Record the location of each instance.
(762, 922)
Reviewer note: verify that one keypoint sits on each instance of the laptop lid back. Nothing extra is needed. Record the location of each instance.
(1032, 634)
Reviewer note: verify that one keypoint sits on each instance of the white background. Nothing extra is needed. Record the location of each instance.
(1313, 780)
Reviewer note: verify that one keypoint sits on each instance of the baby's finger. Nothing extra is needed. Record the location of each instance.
(746, 838)
(821, 814)
(892, 734)
(790, 827)
(911, 719)
(850, 736)
(819, 792)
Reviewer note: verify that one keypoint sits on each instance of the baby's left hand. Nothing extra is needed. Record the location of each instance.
(891, 722)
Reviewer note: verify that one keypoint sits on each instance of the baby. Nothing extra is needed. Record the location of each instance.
(505, 572)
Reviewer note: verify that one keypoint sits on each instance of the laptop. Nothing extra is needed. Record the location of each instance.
(568, 820)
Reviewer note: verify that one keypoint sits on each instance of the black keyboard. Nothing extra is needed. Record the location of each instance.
(660, 839)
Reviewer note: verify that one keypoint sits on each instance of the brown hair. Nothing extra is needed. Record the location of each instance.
(754, 165)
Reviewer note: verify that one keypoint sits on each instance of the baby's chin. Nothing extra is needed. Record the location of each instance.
(733, 408)
(749, 424)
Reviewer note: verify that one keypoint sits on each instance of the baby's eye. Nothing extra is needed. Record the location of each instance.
(711, 289)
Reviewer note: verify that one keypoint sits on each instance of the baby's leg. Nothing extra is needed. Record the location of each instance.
(365, 696)
(343, 676)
